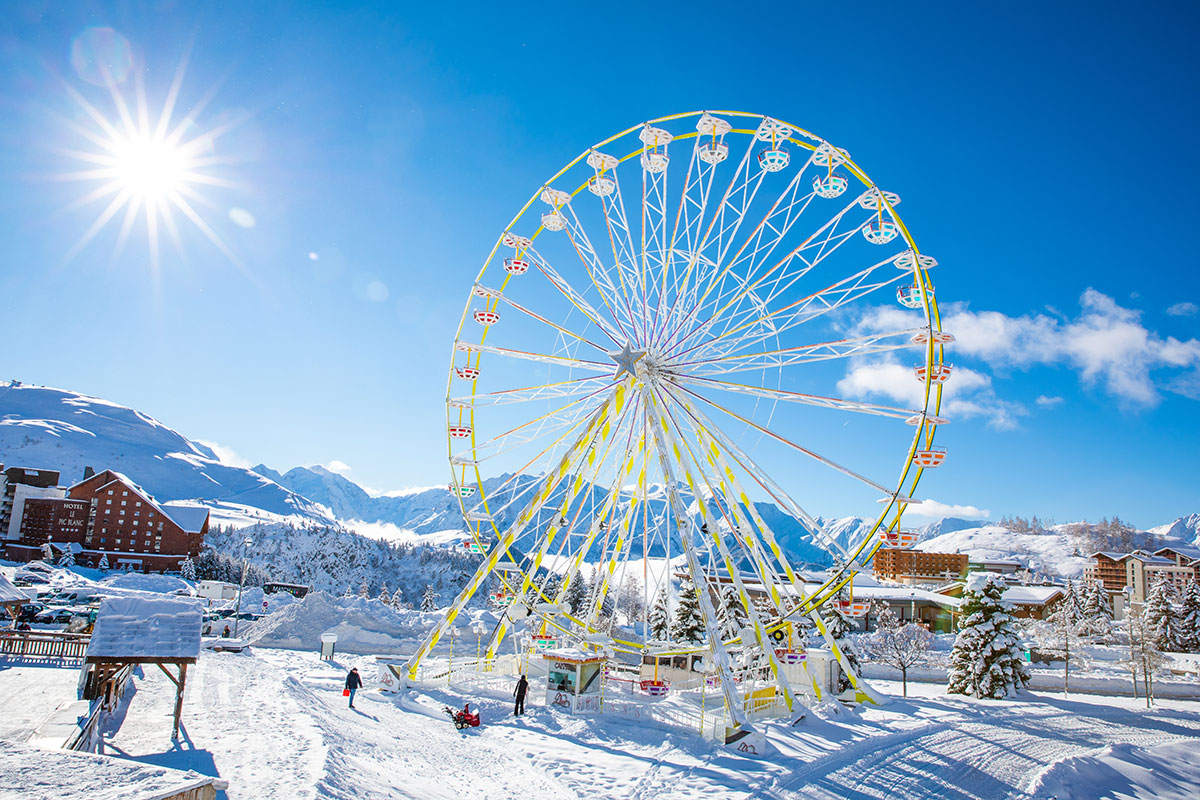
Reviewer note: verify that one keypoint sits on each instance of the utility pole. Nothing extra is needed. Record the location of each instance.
(241, 583)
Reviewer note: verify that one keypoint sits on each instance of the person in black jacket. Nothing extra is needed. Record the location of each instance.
(519, 693)
(353, 682)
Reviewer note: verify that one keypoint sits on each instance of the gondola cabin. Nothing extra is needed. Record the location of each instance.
(573, 680)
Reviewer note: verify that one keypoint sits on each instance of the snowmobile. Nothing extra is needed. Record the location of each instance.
(463, 718)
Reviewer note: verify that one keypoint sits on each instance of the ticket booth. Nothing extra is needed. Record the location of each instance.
(573, 679)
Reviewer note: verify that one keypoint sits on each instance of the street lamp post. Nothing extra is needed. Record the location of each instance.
(241, 583)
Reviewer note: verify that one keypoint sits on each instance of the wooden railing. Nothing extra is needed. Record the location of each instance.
(43, 644)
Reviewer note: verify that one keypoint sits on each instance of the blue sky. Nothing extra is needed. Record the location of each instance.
(1045, 156)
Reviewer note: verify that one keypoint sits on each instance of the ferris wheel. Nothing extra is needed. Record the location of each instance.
(650, 381)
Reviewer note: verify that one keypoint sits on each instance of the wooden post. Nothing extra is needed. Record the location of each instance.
(179, 698)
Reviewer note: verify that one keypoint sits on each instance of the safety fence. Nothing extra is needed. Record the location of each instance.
(43, 644)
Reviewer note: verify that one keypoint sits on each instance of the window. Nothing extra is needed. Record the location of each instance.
(138, 504)
(137, 513)
(110, 491)
(122, 512)
(109, 502)
(136, 521)
(124, 494)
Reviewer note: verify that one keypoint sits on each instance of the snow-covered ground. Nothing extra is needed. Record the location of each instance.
(275, 725)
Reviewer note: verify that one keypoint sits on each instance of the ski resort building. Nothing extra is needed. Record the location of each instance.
(106, 517)
(1133, 574)
(914, 566)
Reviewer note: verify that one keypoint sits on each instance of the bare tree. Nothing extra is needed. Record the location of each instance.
(1144, 655)
(899, 646)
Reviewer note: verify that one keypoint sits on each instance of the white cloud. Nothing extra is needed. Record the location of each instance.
(968, 393)
(1106, 344)
(1045, 401)
(1183, 309)
(340, 467)
(226, 455)
(932, 509)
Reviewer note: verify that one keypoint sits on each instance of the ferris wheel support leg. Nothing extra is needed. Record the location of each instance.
(622, 537)
(708, 614)
(596, 425)
(862, 690)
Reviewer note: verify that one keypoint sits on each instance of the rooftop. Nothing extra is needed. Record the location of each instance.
(146, 629)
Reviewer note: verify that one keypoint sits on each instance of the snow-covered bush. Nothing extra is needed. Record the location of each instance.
(187, 569)
(986, 660)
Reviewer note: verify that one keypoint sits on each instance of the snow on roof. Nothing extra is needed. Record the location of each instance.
(1187, 552)
(132, 628)
(190, 518)
(10, 593)
(1032, 595)
(905, 594)
(1149, 559)
(1109, 554)
(570, 654)
(73, 775)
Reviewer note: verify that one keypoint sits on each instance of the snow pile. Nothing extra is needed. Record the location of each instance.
(39, 774)
(1164, 771)
(162, 584)
(361, 625)
(147, 627)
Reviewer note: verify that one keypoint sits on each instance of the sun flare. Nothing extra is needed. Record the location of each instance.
(146, 168)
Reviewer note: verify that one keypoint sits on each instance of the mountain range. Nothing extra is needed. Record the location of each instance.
(50, 428)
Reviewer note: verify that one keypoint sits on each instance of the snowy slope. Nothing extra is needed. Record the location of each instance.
(1053, 551)
(55, 429)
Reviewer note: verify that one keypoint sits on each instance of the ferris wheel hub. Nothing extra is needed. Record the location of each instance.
(626, 360)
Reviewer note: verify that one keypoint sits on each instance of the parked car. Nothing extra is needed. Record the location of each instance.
(39, 566)
(26, 578)
(55, 615)
(28, 611)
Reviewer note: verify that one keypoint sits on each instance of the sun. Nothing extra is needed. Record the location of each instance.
(147, 168)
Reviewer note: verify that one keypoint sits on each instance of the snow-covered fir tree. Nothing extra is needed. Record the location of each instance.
(1188, 633)
(398, 603)
(1160, 617)
(187, 569)
(103, 562)
(688, 625)
(839, 628)
(385, 596)
(576, 593)
(364, 590)
(660, 617)
(986, 660)
(429, 599)
(67, 560)
(731, 616)
(47, 553)
(1096, 614)
(349, 591)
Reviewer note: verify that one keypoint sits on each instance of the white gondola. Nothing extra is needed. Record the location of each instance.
(655, 162)
(936, 373)
(460, 431)
(917, 419)
(909, 295)
(554, 221)
(774, 159)
(714, 152)
(939, 337)
(933, 457)
(906, 260)
(516, 266)
(467, 373)
(486, 318)
(831, 186)
(880, 231)
(827, 155)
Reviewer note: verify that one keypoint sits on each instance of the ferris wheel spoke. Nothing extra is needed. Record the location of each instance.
(574, 296)
(498, 296)
(618, 308)
(559, 361)
(544, 391)
(802, 354)
(781, 271)
(547, 423)
(798, 312)
(782, 497)
(793, 445)
(687, 288)
(796, 397)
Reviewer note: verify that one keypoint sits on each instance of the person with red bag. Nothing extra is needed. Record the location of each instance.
(353, 683)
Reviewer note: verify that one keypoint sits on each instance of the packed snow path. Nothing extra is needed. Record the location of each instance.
(275, 725)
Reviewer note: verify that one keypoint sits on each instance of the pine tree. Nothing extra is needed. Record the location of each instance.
(839, 628)
(1160, 617)
(68, 559)
(731, 615)
(397, 601)
(429, 599)
(385, 596)
(103, 562)
(349, 591)
(1189, 619)
(688, 625)
(986, 661)
(576, 593)
(1096, 612)
(660, 617)
(364, 590)
(187, 569)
